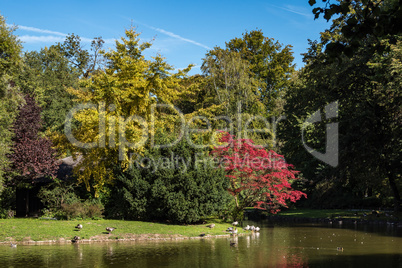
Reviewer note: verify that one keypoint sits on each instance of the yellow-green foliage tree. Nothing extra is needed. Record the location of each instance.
(114, 120)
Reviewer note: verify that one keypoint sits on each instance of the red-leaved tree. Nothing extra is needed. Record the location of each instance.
(32, 155)
(258, 178)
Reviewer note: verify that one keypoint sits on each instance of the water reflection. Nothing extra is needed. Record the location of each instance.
(275, 246)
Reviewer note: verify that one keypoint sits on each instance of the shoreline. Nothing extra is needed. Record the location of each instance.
(136, 238)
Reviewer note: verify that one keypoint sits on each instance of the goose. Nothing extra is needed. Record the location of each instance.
(211, 225)
(235, 223)
(110, 229)
(13, 245)
(79, 226)
(234, 231)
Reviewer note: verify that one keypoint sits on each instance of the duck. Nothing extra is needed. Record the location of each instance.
(229, 229)
(252, 228)
(235, 223)
(246, 228)
(75, 239)
(211, 225)
(13, 245)
(110, 229)
(79, 226)
(257, 229)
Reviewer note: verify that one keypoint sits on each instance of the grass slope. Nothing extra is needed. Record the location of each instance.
(44, 230)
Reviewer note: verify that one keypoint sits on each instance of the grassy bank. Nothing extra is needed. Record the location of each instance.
(24, 230)
(343, 213)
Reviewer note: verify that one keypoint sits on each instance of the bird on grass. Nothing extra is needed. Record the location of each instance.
(246, 228)
(13, 245)
(235, 223)
(79, 226)
(252, 228)
(234, 231)
(202, 235)
(75, 239)
(110, 229)
(211, 225)
(229, 229)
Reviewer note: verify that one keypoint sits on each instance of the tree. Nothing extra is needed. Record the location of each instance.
(10, 97)
(123, 94)
(47, 74)
(257, 177)
(361, 19)
(32, 156)
(368, 115)
(176, 184)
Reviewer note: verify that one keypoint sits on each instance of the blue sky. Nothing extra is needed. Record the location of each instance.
(183, 30)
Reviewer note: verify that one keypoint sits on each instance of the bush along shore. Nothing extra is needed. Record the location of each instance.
(39, 231)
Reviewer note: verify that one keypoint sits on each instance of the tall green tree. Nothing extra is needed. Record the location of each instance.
(121, 95)
(368, 121)
(10, 97)
(47, 74)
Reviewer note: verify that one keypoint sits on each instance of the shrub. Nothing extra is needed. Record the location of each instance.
(160, 186)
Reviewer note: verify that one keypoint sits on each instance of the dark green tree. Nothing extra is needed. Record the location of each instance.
(178, 184)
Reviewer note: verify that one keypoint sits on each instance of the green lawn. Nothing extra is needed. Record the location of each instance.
(41, 230)
(334, 213)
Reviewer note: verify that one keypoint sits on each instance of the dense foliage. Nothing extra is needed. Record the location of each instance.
(179, 184)
(257, 177)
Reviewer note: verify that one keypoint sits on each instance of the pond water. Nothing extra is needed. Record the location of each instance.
(302, 245)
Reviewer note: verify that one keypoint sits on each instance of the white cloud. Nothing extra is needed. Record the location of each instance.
(33, 29)
(294, 9)
(176, 36)
(179, 37)
(52, 37)
(40, 39)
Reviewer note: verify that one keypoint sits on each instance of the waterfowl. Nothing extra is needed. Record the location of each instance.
(257, 229)
(110, 229)
(75, 239)
(229, 229)
(252, 228)
(235, 223)
(246, 228)
(234, 231)
(13, 245)
(79, 226)
(202, 235)
(211, 225)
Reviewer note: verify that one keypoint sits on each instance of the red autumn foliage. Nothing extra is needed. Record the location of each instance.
(258, 177)
(32, 156)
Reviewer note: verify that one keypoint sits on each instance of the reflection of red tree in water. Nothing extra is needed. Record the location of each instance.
(295, 260)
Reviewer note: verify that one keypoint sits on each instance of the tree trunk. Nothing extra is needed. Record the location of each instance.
(395, 191)
(27, 204)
